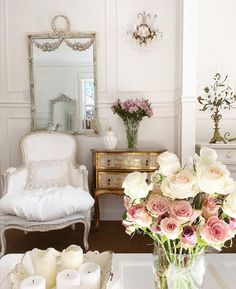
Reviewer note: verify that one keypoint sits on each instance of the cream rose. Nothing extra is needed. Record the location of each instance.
(169, 163)
(229, 205)
(135, 185)
(180, 186)
(207, 156)
(214, 178)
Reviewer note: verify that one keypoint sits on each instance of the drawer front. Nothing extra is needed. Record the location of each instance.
(227, 156)
(127, 160)
(112, 180)
(108, 180)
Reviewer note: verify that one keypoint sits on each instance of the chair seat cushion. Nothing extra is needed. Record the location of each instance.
(47, 204)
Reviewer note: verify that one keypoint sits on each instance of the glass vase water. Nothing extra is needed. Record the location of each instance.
(131, 126)
(178, 271)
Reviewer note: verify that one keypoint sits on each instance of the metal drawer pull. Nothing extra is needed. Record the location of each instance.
(108, 162)
(229, 156)
(147, 162)
(109, 182)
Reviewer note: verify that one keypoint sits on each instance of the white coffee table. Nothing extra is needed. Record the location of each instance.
(135, 271)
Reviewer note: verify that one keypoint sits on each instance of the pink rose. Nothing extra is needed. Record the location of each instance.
(189, 236)
(129, 227)
(170, 227)
(183, 211)
(155, 228)
(215, 231)
(157, 189)
(138, 215)
(127, 202)
(232, 224)
(210, 207)
(157, 205)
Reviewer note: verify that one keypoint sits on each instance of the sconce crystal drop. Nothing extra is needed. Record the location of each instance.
(145, 30)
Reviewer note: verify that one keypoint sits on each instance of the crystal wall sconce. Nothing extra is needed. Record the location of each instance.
(145, 29)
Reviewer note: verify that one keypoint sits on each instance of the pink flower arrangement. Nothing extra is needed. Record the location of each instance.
(132, 109)
(179, 209)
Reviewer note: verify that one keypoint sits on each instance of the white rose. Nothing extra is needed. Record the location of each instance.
(208, 154)
(135, 185)
(180, 186)
(214, 178)
(230, 187)
(169, 163)
(229, 205)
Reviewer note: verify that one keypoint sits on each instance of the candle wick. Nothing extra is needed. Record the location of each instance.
(33, 281)
(89, 272)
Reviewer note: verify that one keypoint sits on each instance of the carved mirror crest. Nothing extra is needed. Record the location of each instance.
(63, 86)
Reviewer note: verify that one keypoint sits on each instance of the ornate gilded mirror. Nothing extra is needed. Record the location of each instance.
(62, 67)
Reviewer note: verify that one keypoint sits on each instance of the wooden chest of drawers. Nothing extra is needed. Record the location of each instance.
(111, 168)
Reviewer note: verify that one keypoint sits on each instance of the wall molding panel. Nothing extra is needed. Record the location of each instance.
(6, 41)
(11, 131)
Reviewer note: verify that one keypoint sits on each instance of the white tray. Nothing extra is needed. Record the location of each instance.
(25, 267)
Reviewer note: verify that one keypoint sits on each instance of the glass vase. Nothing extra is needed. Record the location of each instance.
(131, 127)
(178, 271)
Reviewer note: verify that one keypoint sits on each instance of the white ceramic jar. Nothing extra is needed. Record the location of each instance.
(110, 140)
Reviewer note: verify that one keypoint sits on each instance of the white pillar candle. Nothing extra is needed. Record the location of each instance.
(72, 257)
(80, 287)
(67, 279)
(33, 282)
(90, 275)
(44, 263)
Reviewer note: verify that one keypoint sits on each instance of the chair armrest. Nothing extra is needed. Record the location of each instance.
(80, 177)
(14, 180)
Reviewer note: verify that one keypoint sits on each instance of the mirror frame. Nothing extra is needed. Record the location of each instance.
(63, 35)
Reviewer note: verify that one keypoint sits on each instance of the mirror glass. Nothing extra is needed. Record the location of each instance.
(63, 82)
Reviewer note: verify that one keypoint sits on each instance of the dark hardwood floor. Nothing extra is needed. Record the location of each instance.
(110, 236)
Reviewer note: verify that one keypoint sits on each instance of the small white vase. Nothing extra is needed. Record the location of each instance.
(110, 140)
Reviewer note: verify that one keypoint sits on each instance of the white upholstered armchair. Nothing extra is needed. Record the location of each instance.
(49, 191)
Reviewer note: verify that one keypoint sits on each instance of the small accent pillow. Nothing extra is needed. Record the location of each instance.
(48, 173)
(47, 204)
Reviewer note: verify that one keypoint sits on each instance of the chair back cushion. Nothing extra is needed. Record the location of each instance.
(48, 146)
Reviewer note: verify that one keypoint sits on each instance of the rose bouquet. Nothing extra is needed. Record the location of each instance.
(132, 112)
(183, 210)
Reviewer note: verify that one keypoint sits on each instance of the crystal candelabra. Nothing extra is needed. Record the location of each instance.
(145, 30)
(218, 97)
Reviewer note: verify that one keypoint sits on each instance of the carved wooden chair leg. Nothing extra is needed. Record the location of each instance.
(73, 227)
(86, 234)
(2, 242)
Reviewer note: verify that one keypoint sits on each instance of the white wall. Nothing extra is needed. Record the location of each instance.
(122, 71)
(216, 47)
